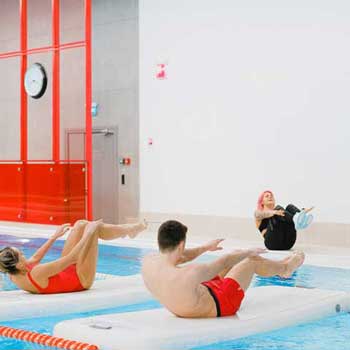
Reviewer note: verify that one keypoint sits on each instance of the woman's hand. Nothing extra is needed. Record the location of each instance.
(61, 231)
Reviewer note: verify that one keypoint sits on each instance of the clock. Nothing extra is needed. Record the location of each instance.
(35, 81)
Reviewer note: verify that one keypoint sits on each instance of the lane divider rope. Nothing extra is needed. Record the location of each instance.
(45, 339)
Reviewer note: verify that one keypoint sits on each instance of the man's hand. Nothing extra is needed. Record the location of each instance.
(61, 231)
(213, 246)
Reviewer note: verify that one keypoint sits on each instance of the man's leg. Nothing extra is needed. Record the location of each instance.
(244, 271)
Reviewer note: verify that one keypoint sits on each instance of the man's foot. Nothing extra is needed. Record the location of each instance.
(292, 263)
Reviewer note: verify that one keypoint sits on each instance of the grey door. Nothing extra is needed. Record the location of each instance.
(105, 168)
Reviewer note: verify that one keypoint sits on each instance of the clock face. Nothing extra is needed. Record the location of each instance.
(35, 80)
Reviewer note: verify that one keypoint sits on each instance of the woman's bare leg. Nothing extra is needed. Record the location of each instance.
(74, 237)
(108, 231)
(244, 271)
(88, 255)
(88, 252)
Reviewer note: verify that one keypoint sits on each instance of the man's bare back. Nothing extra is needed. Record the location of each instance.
(177, 288)
(208, 289)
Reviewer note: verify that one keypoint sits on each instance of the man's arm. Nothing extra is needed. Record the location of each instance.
(193, 253)
(41, 252)
(205, 272)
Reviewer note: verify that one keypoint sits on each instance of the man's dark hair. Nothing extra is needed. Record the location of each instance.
(170, 234)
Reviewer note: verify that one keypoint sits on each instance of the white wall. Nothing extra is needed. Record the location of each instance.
(257, 97)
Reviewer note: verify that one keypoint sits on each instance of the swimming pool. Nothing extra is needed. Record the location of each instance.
(329, 333)
(127, 261)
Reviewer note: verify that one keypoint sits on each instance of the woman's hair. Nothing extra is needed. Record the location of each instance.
(259, 205)
(8, 261)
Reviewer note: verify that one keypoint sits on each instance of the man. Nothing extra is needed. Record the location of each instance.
(211, 289)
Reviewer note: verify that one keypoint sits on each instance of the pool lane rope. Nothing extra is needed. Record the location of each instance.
(45, 339)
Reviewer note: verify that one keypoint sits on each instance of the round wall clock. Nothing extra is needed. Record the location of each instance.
(35, 81)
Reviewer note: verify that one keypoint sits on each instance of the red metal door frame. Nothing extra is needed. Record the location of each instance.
(88, 102)
(24, 109)
(56, 81)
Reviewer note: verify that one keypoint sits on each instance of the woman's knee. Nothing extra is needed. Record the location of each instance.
(80, 223)
(291, 208)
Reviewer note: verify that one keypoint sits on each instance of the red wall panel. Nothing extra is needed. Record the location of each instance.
(43, 193)
(11, 192)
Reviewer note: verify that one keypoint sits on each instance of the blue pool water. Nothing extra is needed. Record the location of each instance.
(327, 334)
(46, 324)
(330, 333)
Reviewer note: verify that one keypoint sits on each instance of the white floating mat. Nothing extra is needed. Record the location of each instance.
(263, 309)
(110, 292)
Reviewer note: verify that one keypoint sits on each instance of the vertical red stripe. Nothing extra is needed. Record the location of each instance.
(56, 80)
(88, 100)
(23, 109)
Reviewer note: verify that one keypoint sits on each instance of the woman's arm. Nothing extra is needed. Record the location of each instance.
(264, 214)
(260, 215)
(41, 252)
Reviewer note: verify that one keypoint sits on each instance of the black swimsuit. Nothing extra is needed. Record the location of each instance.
(281, 233)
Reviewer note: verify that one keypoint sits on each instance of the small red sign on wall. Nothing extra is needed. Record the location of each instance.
(161, 71)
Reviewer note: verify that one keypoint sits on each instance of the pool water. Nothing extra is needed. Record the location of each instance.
(325, 334)
(330, 333)
(46, 324)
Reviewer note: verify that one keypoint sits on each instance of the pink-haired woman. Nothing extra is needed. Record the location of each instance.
(277, 225)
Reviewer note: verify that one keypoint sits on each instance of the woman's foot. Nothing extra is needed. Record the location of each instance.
(292, 263)
(140, 227)
(303, 220)
(308, 210)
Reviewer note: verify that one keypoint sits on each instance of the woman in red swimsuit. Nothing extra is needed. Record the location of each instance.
(76, 268)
